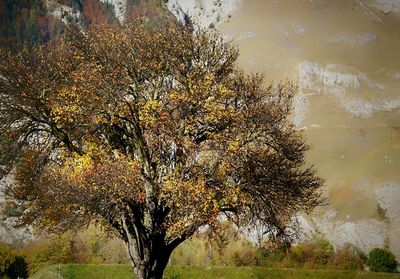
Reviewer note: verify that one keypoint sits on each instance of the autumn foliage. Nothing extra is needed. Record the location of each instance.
(151, 130)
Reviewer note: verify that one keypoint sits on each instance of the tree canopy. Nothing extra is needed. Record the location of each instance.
(151, 129)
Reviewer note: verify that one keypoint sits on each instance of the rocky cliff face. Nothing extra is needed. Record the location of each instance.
(344, 55)
(10, 230)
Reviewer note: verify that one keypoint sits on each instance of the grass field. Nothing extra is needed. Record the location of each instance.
(79, 271)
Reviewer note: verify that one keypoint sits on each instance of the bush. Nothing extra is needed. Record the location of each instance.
(382, 260)
(94, 246)
(316, 253)
(349, 257)
(272, 254)
(191, 252)
(242, 254)
(90, 246)
(48, 251)
(12, 265)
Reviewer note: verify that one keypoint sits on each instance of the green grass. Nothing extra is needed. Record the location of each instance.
(105, 271)
(85, 271)
(49, 272)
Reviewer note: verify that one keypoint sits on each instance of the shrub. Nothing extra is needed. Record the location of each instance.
(323, 253)
(49, 251)
(12, 265)
(349, 257)
(316, 253)
(239, 252)
(273, 254)
(7, 257)
(194, 251)
(382, 260)
(95, 246)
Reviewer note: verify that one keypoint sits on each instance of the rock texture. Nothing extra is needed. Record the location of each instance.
(119, 8)
(10, 232)
(345, 57)
(205, 12)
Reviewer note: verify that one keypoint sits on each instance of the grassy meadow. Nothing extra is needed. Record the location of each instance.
(121, 271)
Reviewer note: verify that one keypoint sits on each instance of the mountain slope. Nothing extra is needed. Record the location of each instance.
(345, 57)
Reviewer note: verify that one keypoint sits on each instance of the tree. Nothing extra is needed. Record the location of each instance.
(151, 130)
(382, 260)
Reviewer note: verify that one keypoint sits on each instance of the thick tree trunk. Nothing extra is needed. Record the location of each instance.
(151, 263)
(152, 271)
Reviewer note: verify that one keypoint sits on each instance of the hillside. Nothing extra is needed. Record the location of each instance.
(345, 56)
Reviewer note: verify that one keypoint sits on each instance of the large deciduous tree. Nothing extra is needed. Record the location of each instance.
(151, 130)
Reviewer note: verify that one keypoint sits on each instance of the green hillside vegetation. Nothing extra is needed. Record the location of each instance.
(93, 254)
(94, 247)
(176, 272)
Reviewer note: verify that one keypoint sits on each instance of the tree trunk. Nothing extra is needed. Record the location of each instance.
(147, 246)
(151, 263)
